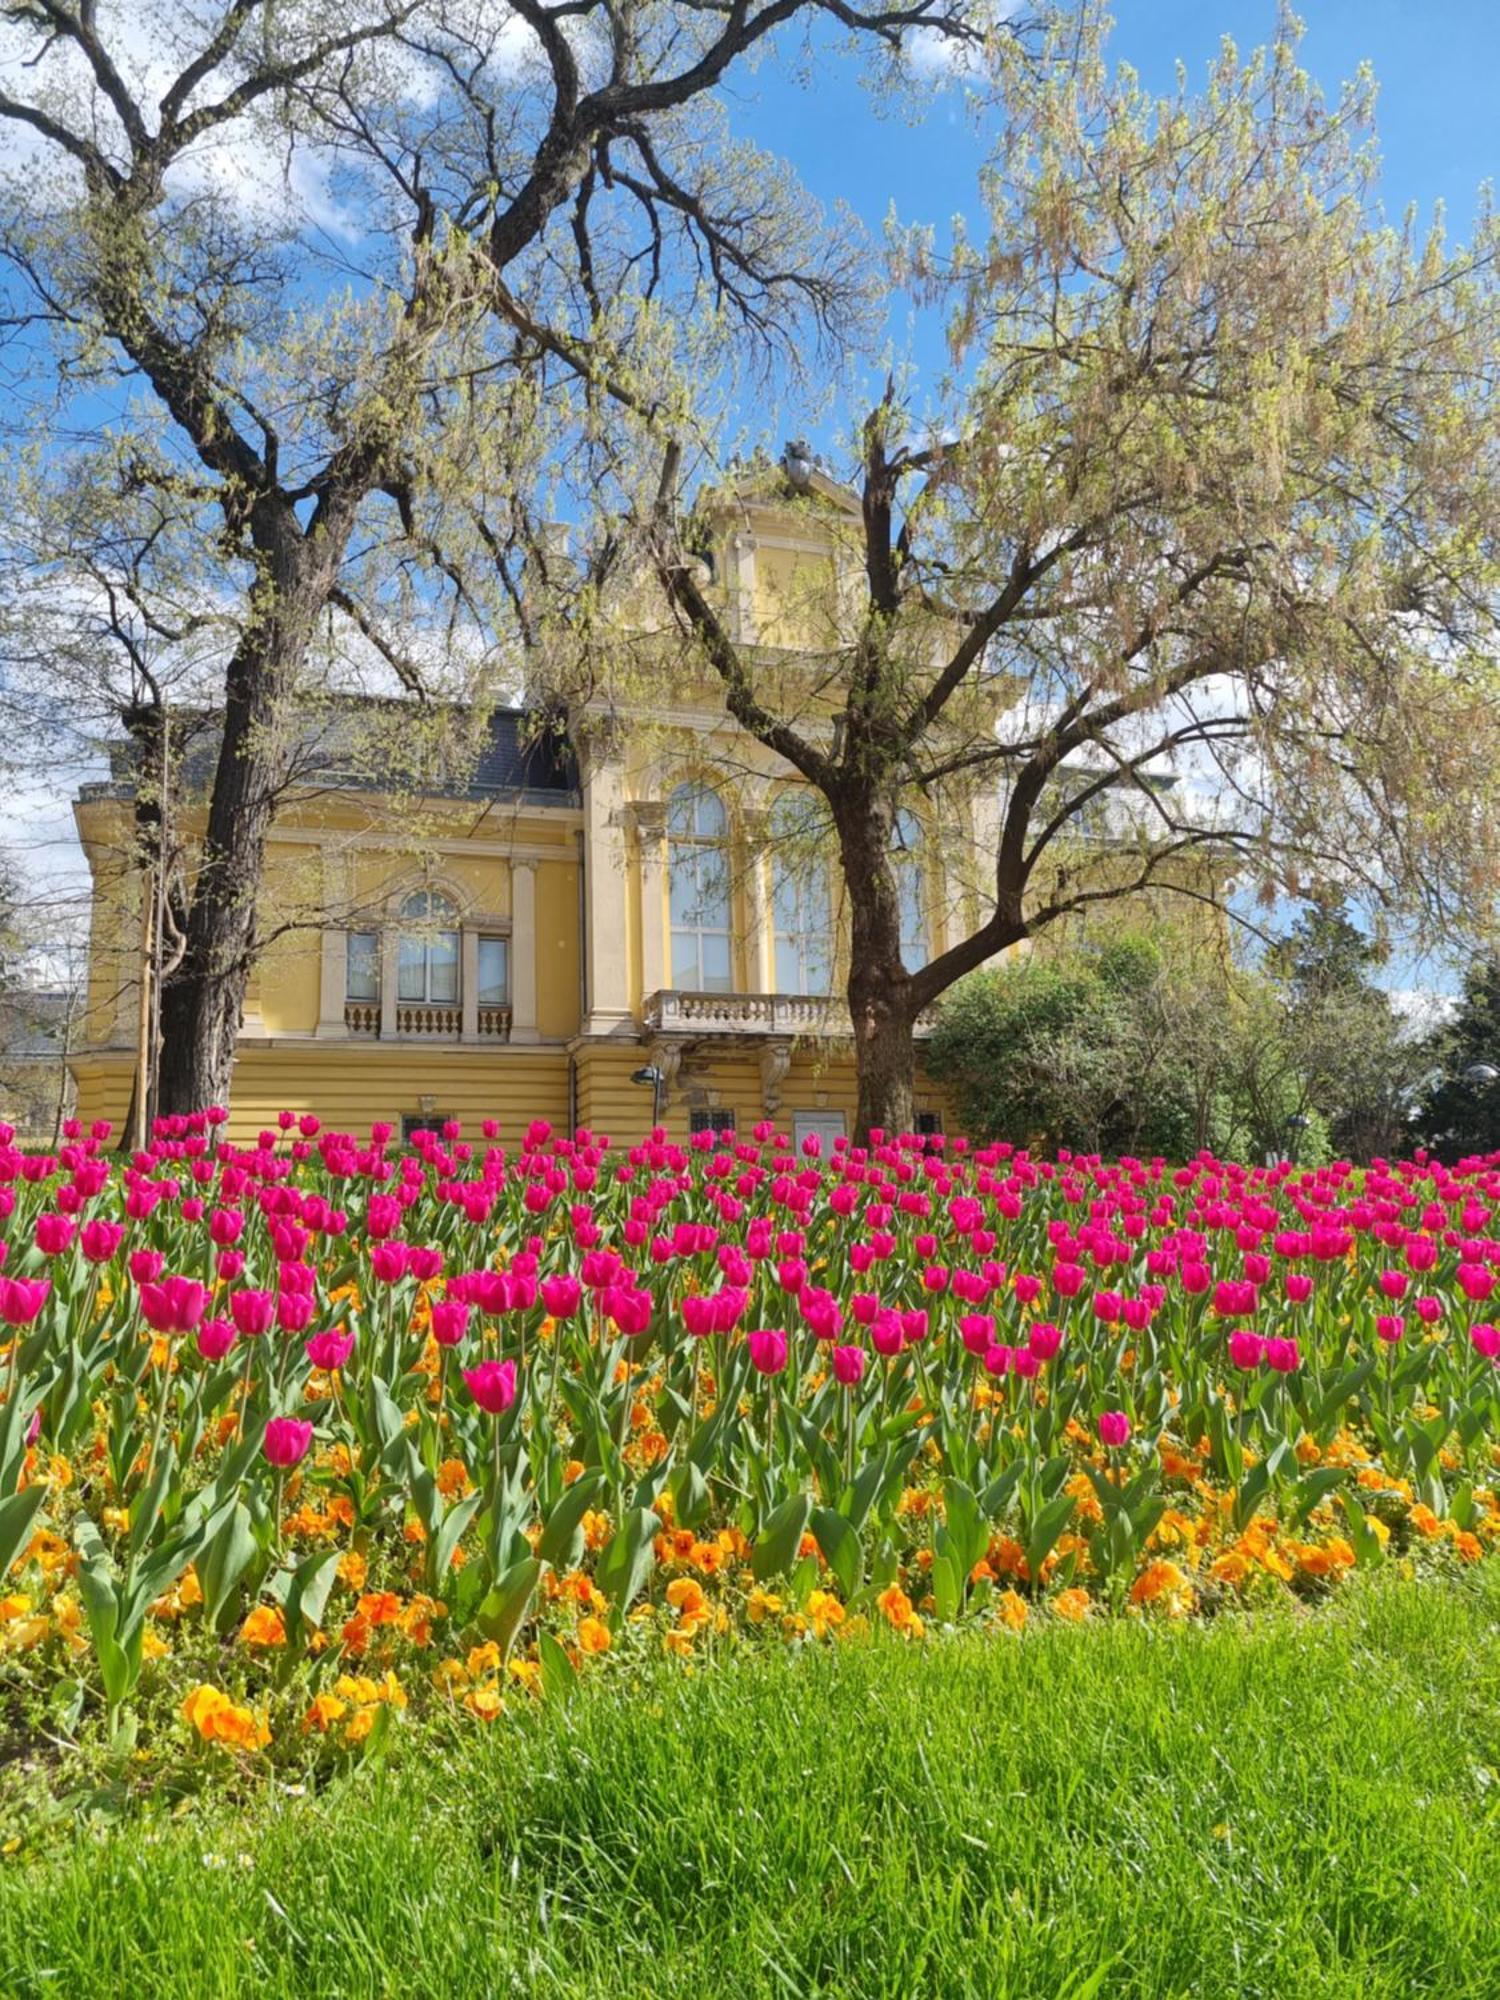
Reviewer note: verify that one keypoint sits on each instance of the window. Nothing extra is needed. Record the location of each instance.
(906, 855)
(929, 1122)
(427, 955)
(800, 905)
(362, 969)
(697, 860)
(494, 972)
(711, 1121)
(422, 1121)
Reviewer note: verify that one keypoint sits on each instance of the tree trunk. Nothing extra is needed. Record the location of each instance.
(203, 1003)
(880, 1004)
(886, 1067)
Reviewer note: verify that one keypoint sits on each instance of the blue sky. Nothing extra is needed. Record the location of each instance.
(1437, 62)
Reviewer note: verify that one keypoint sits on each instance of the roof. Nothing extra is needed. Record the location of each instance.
(520, 756)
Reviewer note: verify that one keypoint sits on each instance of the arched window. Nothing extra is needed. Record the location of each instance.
(801, 910)
(427, 956)
(906, 859)
(698, 868)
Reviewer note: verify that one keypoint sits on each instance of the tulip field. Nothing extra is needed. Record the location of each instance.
(304, 1441)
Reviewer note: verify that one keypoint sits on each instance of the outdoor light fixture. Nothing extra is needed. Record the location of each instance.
(652, 1075)
(1480, 1075)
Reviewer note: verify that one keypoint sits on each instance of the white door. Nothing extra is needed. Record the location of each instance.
(829, 1125)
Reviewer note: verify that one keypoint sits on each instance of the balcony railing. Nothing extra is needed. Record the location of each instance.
(425, 1021)
(674, 1012)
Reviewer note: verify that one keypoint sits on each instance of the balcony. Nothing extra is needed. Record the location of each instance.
(776, 1016)
(425, 1021)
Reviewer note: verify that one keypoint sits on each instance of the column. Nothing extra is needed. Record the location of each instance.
(605, 880)
(389, 944)
(760, 943)
(468, 984)
(333, 964)
(650, 831)
(523, 1027)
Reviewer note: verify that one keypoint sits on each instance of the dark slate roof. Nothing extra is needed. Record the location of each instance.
(522, 757)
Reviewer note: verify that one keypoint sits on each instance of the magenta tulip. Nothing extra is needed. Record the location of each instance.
(287, 1441)
(492, 1385)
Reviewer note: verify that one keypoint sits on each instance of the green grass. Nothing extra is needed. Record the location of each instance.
(1290, 1806)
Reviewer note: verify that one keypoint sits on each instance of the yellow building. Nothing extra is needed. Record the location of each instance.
(636, 897)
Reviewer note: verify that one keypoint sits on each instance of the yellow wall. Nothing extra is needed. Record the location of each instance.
(350, 1085)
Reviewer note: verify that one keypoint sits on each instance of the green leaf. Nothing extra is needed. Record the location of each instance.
(562, 1534)
(776, 1545)
(626, 1561)
(965, 1522)
(1314, 1487)
(499, 1617)
(842, 1548)
(1362, 1537)
(446, 1540)
(16, 1516)
(225, 1560)
(1043, 1530)
(307, 1599)
(948, 1579)
(559, 1675)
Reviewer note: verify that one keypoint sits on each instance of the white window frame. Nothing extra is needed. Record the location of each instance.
(691, 843)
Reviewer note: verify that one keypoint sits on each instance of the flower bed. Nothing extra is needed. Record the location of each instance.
(297, 1436)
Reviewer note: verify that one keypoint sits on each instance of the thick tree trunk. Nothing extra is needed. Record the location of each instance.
(203, 1003)
(886, 1068)
(880, 1001)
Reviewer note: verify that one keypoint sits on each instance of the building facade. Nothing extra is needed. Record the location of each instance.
(647, 894)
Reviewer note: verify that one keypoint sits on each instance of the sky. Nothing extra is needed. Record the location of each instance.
(1436, 62)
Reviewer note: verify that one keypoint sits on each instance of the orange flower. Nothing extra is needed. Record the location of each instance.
(1073, 1605)
(353, 1569)
(325, 1711)
(218, 1720)
(1013, 1610)
(685, 1595)
(263, 1627)
(593, 1636)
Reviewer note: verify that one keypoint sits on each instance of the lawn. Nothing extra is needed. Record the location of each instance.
(1290, 1803)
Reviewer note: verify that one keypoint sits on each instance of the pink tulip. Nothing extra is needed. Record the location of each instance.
(54, 1234)
(287, 1441)
(330, 1350)
(1298, 1287)
(768, 1350)
(1246, 1349)
(450, 1321)
(848, 1365)
(1486, 1339)
(977, 1331)
(215, 1338)
(251, 1311)
(174, 1305)
(1044, 1340)
(1114, 1428)
(1390, 1327)
(101, 1239)
(1283, 1356)
(562, 1295)
(22, 1299)
(492, 1385)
